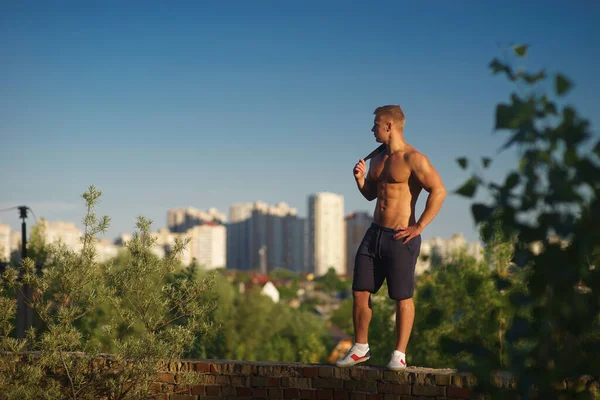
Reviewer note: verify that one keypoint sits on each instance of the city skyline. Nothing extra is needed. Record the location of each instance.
(258, 237)
(204, 105)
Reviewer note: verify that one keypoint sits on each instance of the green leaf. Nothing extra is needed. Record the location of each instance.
(497, 66)
(486, 161)
(504, 114)
(512, 180)
(481, 212)
(570, 157)
(529, 78)
(462, 162)
(550, 108)
(521, 50)
(597, 148)
(562, 85)
(469, 188)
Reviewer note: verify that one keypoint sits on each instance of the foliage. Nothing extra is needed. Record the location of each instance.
(155, 318)
(331, 283)
(550, 203)
(457, 300)
(254, 328)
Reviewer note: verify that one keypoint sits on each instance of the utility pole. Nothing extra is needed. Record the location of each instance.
(24, 312)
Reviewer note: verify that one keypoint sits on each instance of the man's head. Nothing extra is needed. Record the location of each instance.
(388, 120)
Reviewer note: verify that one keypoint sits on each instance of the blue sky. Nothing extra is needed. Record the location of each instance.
(203, 104)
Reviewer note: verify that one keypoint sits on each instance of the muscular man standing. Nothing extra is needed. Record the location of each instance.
(390, 247)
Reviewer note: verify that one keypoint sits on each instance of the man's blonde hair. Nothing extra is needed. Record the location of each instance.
(391, 112)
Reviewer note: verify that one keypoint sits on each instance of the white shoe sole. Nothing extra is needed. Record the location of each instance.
(352, 363)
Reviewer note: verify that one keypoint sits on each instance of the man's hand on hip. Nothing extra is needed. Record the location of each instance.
(408, 233)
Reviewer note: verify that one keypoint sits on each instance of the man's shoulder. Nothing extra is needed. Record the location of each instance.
(415, 156)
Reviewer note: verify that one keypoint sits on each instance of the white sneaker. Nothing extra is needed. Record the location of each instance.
(353, 357)
(396, 362)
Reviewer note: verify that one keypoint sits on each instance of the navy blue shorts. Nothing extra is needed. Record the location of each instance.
(380, 257)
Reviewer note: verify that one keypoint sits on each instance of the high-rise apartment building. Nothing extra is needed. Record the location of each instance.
(63, 232)
(264, 237)
(4, 242)
(180, 220)
(208, 245)
(357, 224)
(326, 233)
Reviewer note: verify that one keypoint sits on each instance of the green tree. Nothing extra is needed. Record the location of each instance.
(550, 203)
(152, 322)
(331, 283)
(254, 328)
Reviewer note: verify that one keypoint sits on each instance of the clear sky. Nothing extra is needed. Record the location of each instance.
(207, 103)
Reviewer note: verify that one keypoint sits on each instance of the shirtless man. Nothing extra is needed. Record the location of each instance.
(390, 247)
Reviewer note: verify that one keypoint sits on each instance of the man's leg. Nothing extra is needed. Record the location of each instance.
(361, 312)
(367, 279)
(405, 316)
(401, 269)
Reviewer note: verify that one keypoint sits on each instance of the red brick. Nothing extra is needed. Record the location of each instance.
(259, 392)
(165, 377)
(402, 389)
(374, 397)
(275, 393)
(358, 373)
(307, 394)
(202, 367)
(274, 382)
(339, 395)
(385, 388)
(458, 393)
(290, 393)
(324, 395)
(198, 389)
(244, 392)
(310, 372)
(358, 396)
(213, 390)
(431, 391)
(222, 380)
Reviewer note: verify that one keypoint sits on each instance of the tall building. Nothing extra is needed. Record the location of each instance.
(165, 241)
(238, 233)
(326, 233)
(4, 242)
(264, 237)
(356, 226)
(208, 245)
(436, 251)
(63, 232)
(180, 220)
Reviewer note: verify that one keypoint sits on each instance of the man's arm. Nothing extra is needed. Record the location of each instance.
(432, 183)
(366, 187)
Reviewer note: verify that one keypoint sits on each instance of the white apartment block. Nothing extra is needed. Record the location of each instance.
(208, 245)
(5, 246)
(105, 250)
(437, 251)
(62, 232)
(326, 233)
(15, 241)
(180, 220)
(165, 240)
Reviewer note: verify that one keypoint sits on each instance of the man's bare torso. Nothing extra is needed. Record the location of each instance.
(397, 189)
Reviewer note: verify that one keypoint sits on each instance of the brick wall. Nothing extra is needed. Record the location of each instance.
(251, 380)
